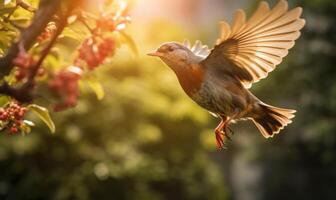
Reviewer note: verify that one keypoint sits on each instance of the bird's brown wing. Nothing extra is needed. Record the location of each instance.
(251, 49)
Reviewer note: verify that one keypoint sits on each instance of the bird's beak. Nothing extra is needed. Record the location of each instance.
(155, 53)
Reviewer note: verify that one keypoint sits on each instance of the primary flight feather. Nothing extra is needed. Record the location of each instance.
(218, 80)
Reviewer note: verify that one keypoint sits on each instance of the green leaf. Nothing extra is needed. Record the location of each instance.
(96, 86)
(4, 100)
(130, 42)
(70, 33)
(43, 114)
(21, 21)
(4, 11)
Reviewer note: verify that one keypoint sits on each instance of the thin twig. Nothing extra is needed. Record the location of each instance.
(18, 27)
(87, 26)
(60, 27)
(25, 5)
(6, 19)
(22, 94)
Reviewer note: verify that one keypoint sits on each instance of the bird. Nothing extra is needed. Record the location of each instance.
(246, 51)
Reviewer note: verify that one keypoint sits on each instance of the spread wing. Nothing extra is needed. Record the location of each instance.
(251, 49)
(198, 48)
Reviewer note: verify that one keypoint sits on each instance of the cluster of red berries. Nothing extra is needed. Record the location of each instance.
(12, 117)
(105, 23)
(94, 53)
(48, 32)
(109, 23)
(114, 21)
(65, 85)
(96, 49)
(23, 62)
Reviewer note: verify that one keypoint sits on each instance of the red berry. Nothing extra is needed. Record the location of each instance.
(71, 101)
(55, 84)
(68, 88)
(18, 123)
(20, 114)
(4, 116)
(13, 130)
(20, 75)
(41, 72)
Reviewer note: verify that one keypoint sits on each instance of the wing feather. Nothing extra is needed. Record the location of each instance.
(225, 31)
(239, 21)
(259, 44)
(198, 48)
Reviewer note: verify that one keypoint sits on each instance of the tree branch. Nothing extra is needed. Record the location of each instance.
(22, 94)
(60, 27)
(47, 9)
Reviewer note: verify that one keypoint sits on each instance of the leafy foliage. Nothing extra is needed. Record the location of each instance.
(43, 114)
(93, 31)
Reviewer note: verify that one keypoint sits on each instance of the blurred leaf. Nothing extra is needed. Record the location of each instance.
(130, 42)
(68, 32)
(43, 114)
(96, 86)
(21, 21)
(5, 38)
(3, 100)
(4, 11)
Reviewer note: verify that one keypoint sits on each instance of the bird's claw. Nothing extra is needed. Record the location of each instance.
(220, 139)
(221, 134)
(228, 132)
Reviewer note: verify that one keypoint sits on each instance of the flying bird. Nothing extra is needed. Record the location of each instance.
(219, 79)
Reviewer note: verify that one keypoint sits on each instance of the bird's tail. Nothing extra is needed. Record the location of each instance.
(270, 120)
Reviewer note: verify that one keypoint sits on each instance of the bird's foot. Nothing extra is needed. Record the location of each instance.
(220, 138)
(223, 131)
(228, 132)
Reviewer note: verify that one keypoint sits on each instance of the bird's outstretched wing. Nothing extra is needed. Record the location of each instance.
(251, 49)
(198, 48)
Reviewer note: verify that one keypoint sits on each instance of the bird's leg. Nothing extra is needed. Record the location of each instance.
(227, 131)
(226, 127)
(220, 134)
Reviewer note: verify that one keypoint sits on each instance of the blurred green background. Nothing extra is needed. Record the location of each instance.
(147, 140)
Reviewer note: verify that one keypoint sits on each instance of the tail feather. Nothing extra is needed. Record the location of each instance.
(271, 120)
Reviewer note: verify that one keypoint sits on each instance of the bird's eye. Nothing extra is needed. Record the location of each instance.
(170, 48)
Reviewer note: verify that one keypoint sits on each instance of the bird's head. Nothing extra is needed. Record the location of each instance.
(175, 55)
(184, 63)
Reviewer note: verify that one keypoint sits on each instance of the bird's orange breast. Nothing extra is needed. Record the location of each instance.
(191, 79)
